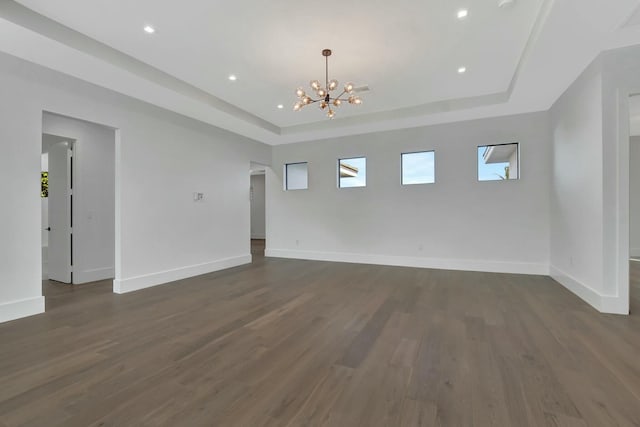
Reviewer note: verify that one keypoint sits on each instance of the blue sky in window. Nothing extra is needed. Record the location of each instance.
(361, 179)
(418, 168)
(491, 171)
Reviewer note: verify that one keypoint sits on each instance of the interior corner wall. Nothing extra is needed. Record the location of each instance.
(258, 206)
(621, 78)
(456, 223)
(93, 195)
(162, 158)
(634, 197)
(577, 188)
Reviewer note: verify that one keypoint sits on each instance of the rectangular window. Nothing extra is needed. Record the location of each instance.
(498, 162)
(296, 176)
(352, 172)
(418, 168)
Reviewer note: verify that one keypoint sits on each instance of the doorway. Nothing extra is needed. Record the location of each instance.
(56, 199)
(78, 206)
(257, 192)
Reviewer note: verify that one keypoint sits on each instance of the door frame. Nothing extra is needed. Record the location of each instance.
(77, 115)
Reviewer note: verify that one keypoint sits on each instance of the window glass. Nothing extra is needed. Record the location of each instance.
(418, 168)
(498, 162)
(296, 176)
(352, 172)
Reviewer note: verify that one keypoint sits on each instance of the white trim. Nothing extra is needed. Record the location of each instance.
(117, 259)
(22, 308)
(404, 261)
(612, 304)
(259, 237)
(148, 280)
(94, 275)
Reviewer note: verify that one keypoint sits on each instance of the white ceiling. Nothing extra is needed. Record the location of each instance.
(519, 58)
(407, 51)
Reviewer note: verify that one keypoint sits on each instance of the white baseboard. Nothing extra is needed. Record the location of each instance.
(17, 309)
(258, 236)
(612, 304)
(148, 280)
(87, 276)
(402, 261)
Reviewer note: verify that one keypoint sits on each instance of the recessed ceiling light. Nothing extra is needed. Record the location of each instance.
(463, 13)
(462, 70)
(280, 106)
(149, 29)
(233, 77)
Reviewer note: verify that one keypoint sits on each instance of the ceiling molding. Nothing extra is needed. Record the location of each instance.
(401, 113)
(27, 18)
(438, 106)
(157, 87)
(20, 15)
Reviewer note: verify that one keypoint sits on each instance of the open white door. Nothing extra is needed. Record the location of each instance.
(60, 200)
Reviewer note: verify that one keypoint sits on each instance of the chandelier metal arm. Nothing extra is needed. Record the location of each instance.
(324, 93)
(343, 92)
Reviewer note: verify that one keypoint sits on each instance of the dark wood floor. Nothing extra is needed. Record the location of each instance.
(293, 343)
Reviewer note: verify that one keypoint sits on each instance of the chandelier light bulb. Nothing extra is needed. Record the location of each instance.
(322, 93)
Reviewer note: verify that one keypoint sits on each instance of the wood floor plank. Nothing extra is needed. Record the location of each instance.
(304, 343)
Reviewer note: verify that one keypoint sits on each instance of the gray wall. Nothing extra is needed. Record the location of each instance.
(634, 197)
(258, 207)
(161, 159)
(577, 188)
(591, 203)
(456, 223)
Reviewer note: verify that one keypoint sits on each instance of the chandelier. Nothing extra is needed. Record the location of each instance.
(325, 98)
